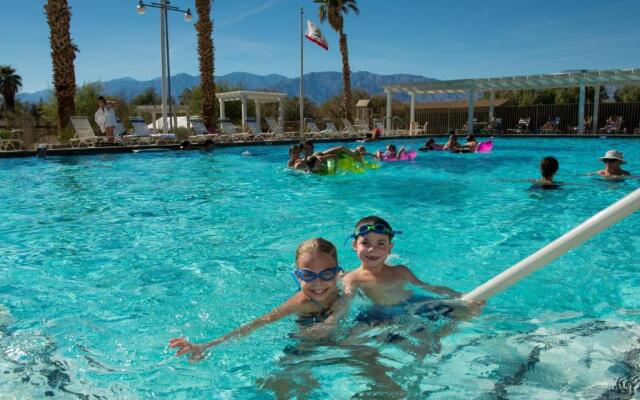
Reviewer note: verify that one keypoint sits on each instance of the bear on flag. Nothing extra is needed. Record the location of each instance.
(315, 35)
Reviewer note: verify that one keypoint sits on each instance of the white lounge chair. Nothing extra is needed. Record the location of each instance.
(228, 128)
(335, 132)
(276, 130)
(14, 141)
(84, 133)
(353, 131)
(313, 132)
(119, 130)
(523, 126)
(254, 128)
(201, 133)
(142, 134)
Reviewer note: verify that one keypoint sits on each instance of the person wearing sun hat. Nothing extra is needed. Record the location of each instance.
(612, 160)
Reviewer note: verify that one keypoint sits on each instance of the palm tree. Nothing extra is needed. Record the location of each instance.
(63, 54)
(334, 12)
(204, 27)
(10, 82)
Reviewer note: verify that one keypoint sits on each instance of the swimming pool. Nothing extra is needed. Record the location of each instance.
(104, 258)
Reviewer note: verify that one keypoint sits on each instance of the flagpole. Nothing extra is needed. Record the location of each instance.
(301, 72)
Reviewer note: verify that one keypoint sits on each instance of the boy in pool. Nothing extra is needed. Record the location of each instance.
(390, 153)
(383, 284)
(315, 304)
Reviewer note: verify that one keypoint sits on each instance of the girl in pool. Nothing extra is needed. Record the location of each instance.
(390, 153)
(294, 156)
(452, 144)
(315, 304)
(548, 168)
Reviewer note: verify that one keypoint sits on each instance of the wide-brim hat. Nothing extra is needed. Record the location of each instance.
(613, 155)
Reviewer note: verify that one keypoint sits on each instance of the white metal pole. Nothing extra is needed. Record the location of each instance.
(586, 230)
(596, 106)
(581, 102)
(301, 72)
(258, 116)
(388, 118)
(244, 113)
(163, 56)
(471, 99)
(412, 117)
(492, 97)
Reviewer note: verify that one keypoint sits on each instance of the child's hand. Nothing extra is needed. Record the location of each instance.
(186, 347)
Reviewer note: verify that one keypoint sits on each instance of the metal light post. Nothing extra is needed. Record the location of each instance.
(164, 53)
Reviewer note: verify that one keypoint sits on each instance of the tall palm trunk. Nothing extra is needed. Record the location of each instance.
(204, 27)
(63, 54)
(346, 77)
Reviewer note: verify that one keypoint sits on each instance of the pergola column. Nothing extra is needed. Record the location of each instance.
(472, 97)
(153, 118)
(222, 114)
(581, 109)
(244, 112)
(412, 118)
(281, 113)
(596, 106)
(388, 117)
(258, 112)
(492, 97)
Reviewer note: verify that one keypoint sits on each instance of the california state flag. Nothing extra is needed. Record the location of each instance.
(315, 35)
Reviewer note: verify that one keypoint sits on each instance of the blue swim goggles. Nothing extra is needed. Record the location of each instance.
(378, 228)
(309, 276)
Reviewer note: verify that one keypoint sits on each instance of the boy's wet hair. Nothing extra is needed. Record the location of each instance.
(317, 244)
(312, 161)
(548, 167)
(293, 148)
(372, 220)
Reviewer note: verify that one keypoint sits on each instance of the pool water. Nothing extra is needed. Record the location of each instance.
(103, 259)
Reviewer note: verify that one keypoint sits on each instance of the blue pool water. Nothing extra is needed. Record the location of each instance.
(103, 259)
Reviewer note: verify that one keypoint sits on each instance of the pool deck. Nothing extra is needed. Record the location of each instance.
(73, 151)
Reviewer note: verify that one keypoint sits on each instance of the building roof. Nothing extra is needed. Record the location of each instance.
(460, 104)
(559, 80)
(261, 97)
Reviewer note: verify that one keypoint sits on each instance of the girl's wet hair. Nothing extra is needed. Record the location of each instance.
(312, 161)
(549, 166)
(391, 147)
(293, 148)
(372, 220)
(317, 244)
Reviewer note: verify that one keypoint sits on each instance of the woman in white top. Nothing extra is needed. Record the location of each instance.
(105, 117)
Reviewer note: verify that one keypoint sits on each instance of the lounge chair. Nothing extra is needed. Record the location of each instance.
(555, 130)
(255, 130)
(14, 141)
(312, 131)
(353, 131)
(143, 135)
(615, 128)
(84, 133)
(335, 132)
(362, 125)
(228, 128)
(201, 133)
(119, 130)
(493, 127)
(275, 130)
(523, 126)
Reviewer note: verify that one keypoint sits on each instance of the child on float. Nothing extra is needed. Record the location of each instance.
(391, 153)
(316, 304)
(294, 156)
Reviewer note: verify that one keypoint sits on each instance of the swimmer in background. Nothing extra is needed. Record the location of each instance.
(306, 148)
(470, 146)
(294, 156)
(390, 153)
(316, 304)
(612, 160)
(548, 168)
(452, 144)
(431, 145)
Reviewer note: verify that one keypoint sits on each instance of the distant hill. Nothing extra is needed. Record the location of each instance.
(318, 86)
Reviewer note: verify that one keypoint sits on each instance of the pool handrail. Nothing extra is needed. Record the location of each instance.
(586, 230)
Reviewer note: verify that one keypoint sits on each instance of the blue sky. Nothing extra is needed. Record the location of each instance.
(439, 39)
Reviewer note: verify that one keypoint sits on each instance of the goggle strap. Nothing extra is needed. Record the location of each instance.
(295, 279)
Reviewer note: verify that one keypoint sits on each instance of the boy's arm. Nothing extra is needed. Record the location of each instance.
(411, 278)
(186, 347)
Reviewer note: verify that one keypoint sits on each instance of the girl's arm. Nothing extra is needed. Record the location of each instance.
(196, 350)
(411, 278)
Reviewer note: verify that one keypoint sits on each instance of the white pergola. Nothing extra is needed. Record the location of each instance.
(472, 87)
(257, 97)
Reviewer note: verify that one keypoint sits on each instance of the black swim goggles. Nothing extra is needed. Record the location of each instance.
(378, 228)
(309, 276)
